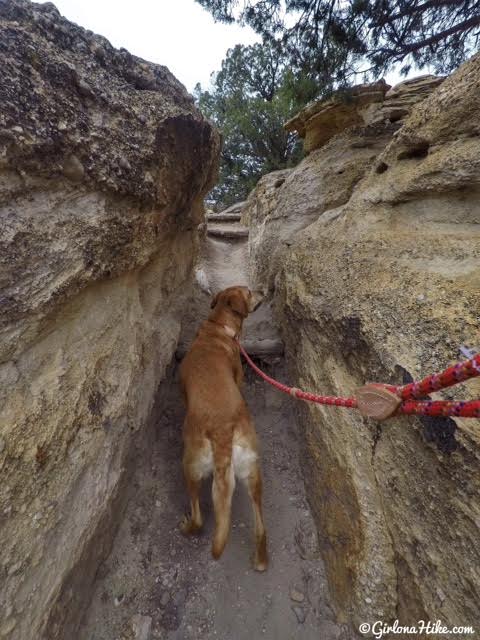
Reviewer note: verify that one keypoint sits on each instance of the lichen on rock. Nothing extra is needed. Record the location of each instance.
(74, 106)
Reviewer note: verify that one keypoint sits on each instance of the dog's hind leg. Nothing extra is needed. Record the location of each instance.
(254, 485)
(222, 491)
(193, 481)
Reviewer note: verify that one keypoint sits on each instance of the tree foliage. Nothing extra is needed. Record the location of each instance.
(250, 99)
(331, 38)
(309, 48)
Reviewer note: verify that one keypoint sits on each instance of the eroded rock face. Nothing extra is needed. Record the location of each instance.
(289, 200)
(384, 286)
(321, 120)
(364, 104)
(66, 91)
(104, 162)
(400, 99)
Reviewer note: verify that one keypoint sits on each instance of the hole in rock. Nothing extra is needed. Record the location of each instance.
(418, 151)
(381, 167)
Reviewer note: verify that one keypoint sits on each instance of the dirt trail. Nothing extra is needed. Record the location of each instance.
(158, 584)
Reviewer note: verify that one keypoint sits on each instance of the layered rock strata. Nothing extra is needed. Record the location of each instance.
(363, 104)
(371, 251)
(104, 162)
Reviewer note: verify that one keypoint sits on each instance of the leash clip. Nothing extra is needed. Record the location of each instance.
(377, 402)
(467, 352)
(470, 354)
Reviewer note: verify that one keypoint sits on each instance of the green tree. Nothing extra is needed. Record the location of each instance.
(251, 98)
(332, 38)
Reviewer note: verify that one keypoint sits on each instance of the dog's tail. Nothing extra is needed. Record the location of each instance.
(222, 491)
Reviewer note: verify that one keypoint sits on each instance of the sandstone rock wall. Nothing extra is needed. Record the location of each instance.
(288, 200)
(104, 162)
(374, 265)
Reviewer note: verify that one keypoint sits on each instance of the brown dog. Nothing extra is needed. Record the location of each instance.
(218, 432)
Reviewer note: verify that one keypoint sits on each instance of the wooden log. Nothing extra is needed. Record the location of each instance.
(256, 348)
(236, 233)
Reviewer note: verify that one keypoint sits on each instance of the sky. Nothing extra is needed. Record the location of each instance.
(179, 34)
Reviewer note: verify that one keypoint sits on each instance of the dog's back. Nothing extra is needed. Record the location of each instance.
(207, 375)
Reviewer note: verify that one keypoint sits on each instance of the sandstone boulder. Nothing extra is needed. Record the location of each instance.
(104, 163)
(361, 105)
(400, 99)
(321, 120)
(383, 284)
(289, 200)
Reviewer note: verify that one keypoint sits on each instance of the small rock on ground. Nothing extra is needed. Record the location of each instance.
(296, 596)
(141, 627)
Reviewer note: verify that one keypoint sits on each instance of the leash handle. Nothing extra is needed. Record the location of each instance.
(452, 375)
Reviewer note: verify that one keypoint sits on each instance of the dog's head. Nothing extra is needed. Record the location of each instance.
(239, 299)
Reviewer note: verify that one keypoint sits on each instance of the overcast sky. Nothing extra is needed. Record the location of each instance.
(176, 33)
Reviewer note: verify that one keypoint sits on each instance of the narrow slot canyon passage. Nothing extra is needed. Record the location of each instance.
(156, 583)
(366, 245)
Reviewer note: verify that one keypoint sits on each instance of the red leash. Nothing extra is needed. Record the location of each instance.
(381, 401)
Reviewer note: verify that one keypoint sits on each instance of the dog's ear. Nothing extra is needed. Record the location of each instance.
(214, 300)
(237, 302)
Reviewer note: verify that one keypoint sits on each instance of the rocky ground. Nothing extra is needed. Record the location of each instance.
(158, 584)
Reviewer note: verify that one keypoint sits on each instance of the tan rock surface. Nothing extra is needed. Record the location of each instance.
(400, 99)
(385, 286)
(286, 201)
(104, 162)
(361, 105)
(321, 120)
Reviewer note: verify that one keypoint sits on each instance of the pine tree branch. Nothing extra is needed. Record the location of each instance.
(412, 10)
(405, 49)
